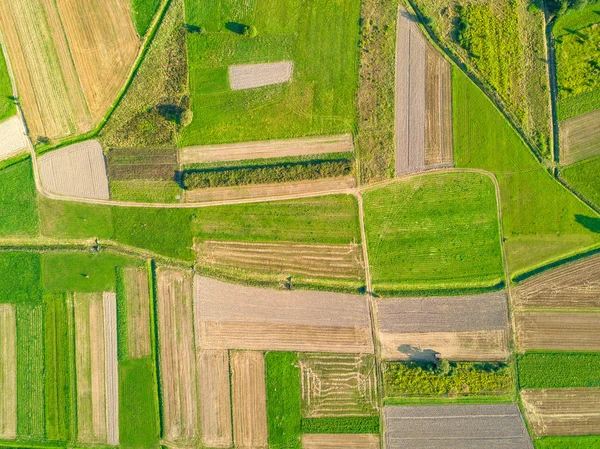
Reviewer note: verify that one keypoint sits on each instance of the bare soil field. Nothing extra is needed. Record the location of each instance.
(215, 398)
(90, 365)
(138, 312)
(230, 316)
(340, 441)
(155, 164)
(177, 356)
(112, 372)
(571, 411)
(12, 137)
(497, 426)
(265, 149)
(327, 185)
(338, 385)
(77, 170)
(571, 286)
(8, 372)
(104, 46)
(329, 261)
(249, 400)
(580, 138)
(248, 76)
(560, 331)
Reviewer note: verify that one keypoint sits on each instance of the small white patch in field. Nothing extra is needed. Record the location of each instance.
(12, 137)
(248, 76)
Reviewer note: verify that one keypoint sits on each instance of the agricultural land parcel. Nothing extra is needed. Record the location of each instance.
(12, 137)
(539, 370)
(7, 106)
(142, 12)
(583, 177)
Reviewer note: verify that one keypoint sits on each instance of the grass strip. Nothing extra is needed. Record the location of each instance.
(366, 424)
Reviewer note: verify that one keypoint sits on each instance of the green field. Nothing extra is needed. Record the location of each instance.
(542, 220)
(558, 370)
(18, 201)
(20, 282)
(145, 191)
(583, 177)
(583, 442)
(142, 12)
(320, 37)
(7, 105)
(363, 424)
(433, 233)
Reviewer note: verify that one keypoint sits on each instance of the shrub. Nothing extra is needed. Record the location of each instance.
(250, 31)
(186, 118)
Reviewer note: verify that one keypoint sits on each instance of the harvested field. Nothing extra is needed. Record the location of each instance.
(570, 286)
(152, 164)
(138, 312)
(177, 356)
(230, 316)
(330, 261)
(8, 372)
(580, 138)
(265, 149)
(215, 398)
(77, 170)
(111, 363)
(423, 101)
(569, 411)
(313, 187)
(497, 426)
(12, 137)
(558, 331)
(340, 441)
(338, 385)
(248, 76)
(249, 400)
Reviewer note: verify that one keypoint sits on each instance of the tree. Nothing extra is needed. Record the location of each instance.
(443, 368)
(250, 31)
(186, 118)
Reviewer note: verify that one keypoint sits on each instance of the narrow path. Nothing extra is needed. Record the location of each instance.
(553, 81)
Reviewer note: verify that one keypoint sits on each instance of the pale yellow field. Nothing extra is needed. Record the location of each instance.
(138, 312)
(8, 372)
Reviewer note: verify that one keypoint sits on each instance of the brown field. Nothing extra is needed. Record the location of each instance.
(138, 312)
(559, 331)
(231, 316)
(580, 138)
(8, 372)
(77, 170)
(215, 398)
(340, 441)
(249, 399)
(570, 286)
(12, 137)
(338, 385)
(463, 346)
(267, 149)
(154, 164)
(91, 368)
(248, 76)
(329, 261)
(317, 186)
(112, 372)
(571, 411)
(177, 356)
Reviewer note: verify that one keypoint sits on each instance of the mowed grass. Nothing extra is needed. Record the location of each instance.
(584, 177)
(18, 201)
(20, 279)
(558, 370)
(579, 442)
(319, 36)
(142, 12)
(542, 221)
(436, 233)
(7, 105)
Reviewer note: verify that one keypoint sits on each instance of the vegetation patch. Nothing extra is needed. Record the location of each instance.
(583, 177)
(142, 12)
(558, 370)
(145, 191)
(148, 163)
(18, 201)
(7, 105)
(23, 285)
(578, 442)
(362, 424)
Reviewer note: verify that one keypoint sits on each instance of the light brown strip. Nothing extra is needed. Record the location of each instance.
(8, 372)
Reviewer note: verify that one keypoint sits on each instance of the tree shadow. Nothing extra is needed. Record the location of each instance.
(415, 354)
(591, 223)
(236, 27)
(193, 29)
(170, 112)
(577, 33)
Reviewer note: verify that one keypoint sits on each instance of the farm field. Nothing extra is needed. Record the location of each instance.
(7, 106)
(419, 235)
(539, 370)
(18, 201)
(579, 137)
(562, 331)
(12, 137)
(318, 100)
(8, 372)
(582, 177)
(142, 12)
(340, 441)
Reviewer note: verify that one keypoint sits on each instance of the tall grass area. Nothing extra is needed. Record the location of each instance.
(284, 415)
(20, 280)
(142, 12)
(583, 177)
(320, 37)
(7, 105)
(433, 233)
(358, 424)
(542, 220)
(558, 370)
(579, 442)
(18, 200)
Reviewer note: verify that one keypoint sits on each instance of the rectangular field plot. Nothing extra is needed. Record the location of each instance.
(138, 312)
(498, 426)
(267, 149)
(8, 372)
(338, 385)
(340, 441)
(248, 76)
(249, 400)
(12, 137)
(558, 331)
(574, 411)
(580, 138)
(152, 164)
(230, 316)
(571, 286)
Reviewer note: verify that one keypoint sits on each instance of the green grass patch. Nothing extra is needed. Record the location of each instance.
(20, 282)
(7, 105)
(433, 232)
(142, 12)
(18, 201)
(583, 177)
(145, 191)
(284, 415)
(320, 37)
(558, 370)
(577, 105)
(138, 414)
(578, 442)
(542, 220)
(364, 424)
(63, 219)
